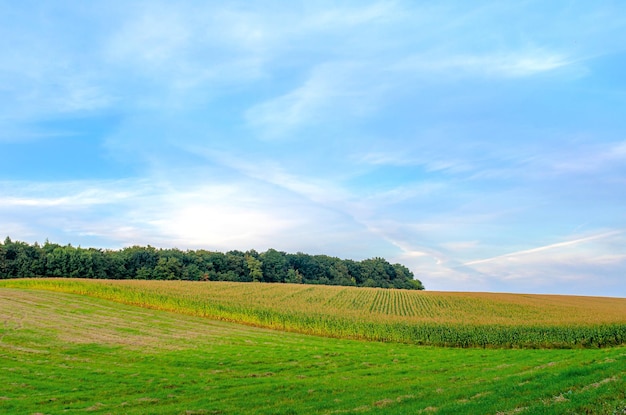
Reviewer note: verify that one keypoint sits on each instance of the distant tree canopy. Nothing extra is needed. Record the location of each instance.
(21, 260)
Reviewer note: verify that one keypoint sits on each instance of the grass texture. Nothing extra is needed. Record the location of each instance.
(67, 354)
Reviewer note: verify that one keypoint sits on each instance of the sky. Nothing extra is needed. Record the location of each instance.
(482, 144)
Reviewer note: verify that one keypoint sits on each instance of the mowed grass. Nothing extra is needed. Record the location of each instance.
(65, 353)
(425, 318)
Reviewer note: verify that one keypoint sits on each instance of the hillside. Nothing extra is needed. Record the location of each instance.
(436, 318)
(66, 353)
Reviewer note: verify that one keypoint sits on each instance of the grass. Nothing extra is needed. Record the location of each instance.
(424, 318)
(65, 353)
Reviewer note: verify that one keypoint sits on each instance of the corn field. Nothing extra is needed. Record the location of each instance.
(419, 317)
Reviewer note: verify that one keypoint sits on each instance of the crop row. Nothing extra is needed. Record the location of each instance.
(371, 314)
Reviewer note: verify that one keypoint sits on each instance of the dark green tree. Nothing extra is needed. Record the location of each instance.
(274, 266)
(255, 267)
(19, 260)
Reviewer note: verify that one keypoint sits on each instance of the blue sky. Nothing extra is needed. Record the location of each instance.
(482, 144)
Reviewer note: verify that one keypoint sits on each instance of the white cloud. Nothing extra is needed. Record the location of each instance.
(399, 153)
(348, 89)
(315, 189)
(199, 213)
(155, 36)
(518, 254)
(64, 195)
(460, 245)
(443, 161)
(584, 266)
(572, 266)
(83, 96)
(342, 17)
(332, 92)
(494, 64)
(190, 50)
(586, 158)
(226, 216)
(525, 65)
(282, 115)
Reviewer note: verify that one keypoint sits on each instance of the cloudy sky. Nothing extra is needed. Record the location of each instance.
(482, 144)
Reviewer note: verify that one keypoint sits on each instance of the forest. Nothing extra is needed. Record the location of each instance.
(23, 260)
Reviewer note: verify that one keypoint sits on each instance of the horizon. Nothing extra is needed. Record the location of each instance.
(295, 253)
(481, 145)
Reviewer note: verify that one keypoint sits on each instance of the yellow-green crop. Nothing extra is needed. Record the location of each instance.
(434, 318)
(71, 354)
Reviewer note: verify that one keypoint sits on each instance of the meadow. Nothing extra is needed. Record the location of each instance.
(400, 316)
(66, 353)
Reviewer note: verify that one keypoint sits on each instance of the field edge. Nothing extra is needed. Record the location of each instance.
(424, 333)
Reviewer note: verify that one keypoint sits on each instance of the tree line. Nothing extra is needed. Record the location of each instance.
(23, 260)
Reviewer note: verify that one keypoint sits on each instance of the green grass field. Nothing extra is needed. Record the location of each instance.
(66, 353)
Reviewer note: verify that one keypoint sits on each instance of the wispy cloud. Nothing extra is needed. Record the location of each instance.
(456, 138)
(331, 92)
(508, 65)
(590, 159)
(346, 16)
(557, 268)
(564, 266)
(433, 162)
(73, 194)
(546, 248)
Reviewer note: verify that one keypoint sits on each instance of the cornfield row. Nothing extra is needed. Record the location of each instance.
(430, 318)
